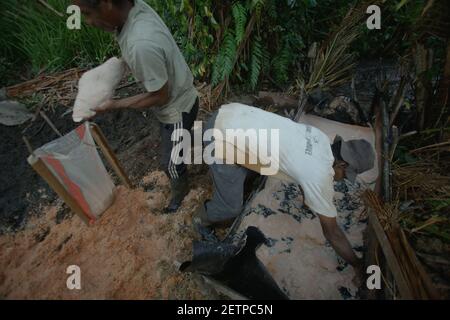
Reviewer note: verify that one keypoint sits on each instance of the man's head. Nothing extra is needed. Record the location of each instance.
(351, 158)
(108, 15)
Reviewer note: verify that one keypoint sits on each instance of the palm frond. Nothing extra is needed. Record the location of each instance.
(334, 62)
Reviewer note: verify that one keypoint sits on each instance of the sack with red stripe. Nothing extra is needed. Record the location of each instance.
(73, 159)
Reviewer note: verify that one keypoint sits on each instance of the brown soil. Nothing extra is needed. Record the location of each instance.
(23, 192)
(131, 252)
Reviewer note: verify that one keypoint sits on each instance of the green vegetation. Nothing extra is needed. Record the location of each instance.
(239, 42)
(36, 35)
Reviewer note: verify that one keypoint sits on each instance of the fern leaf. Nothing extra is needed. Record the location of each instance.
(256, 63)
(224, 64)
(281, 64)
(258, 5)
(239, 13)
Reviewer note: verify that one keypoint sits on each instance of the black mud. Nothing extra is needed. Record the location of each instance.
(133, 135)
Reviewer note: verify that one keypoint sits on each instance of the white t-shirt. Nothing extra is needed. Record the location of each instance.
(304, 154)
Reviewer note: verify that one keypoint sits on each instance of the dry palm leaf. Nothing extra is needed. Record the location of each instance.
(419, 181)
(417, 279)
(334, 62)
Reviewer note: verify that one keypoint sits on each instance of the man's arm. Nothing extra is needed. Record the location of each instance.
(339, 242)
(143, 100)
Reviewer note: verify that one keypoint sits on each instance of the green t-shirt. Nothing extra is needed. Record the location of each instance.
(154, 58)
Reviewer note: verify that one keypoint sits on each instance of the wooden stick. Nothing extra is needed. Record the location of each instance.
(50, 123)
(101, 141)
(378, 126)
(396, 138)
(408, 134)
(28, 145)
(127, 85)
(41, 168)
(437, 145)
(426, 285)
(398, 99)
(301, 105)
(391, 259)
(386, 169)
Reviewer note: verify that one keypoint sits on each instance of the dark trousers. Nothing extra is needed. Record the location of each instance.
(229, 179)
(168, 146)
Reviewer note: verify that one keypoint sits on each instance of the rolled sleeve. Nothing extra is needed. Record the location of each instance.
(148, 65)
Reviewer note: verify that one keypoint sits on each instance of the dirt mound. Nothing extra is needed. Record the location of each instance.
(23, 192)
(129, 253)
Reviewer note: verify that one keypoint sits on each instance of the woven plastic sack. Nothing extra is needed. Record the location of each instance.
(97, 86)
(74, 161)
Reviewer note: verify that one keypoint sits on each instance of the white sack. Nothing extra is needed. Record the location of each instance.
(74, 161)
(97, 86)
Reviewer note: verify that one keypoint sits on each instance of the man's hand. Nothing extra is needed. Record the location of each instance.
(143, 100)
(342, 246)
(105, 106)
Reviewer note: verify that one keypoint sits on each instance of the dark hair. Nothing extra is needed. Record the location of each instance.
(95, 3)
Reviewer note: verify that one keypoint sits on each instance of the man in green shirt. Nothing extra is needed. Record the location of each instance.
(155, 60)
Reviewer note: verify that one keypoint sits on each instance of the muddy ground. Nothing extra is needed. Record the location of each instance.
(131, 251)
(133, 137)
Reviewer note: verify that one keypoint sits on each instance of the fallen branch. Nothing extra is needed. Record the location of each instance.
(428, 223)
(437, 145)
(412, 276)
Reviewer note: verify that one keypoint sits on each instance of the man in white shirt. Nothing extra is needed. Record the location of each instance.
(299, 153)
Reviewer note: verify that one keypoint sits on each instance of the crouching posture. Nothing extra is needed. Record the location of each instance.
(285, 149)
